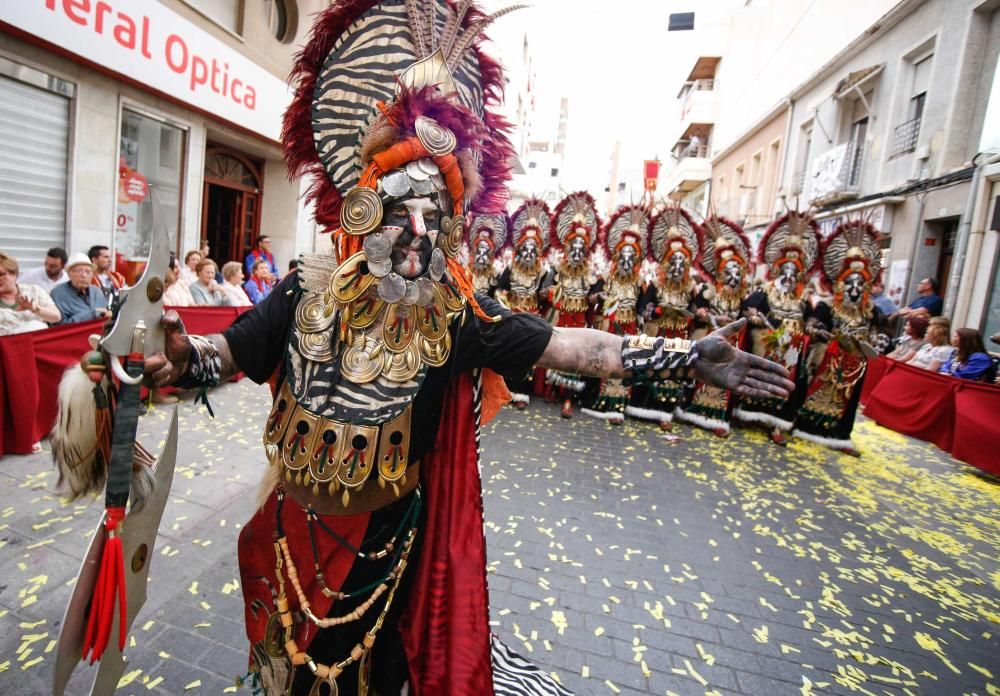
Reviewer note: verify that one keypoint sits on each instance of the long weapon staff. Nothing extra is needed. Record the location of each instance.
(111, 586)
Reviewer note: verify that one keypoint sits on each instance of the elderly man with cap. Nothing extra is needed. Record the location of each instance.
(79, 300)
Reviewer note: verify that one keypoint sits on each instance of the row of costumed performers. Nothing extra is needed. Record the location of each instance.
(810, 310)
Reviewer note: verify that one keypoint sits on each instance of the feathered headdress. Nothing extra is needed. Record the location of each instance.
(673, 229)
(722, 240)
(628, 226)
(792, 237)
(853, 247)
(575, 216)
(531, 221)
(492, 228)
(394, 97)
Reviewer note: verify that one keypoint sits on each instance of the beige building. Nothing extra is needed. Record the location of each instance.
(106, 113)
(746, 175)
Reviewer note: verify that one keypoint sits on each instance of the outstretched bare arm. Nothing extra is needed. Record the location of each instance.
(599, 354)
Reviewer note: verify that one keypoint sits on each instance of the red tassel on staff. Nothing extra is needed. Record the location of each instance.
(110, 583)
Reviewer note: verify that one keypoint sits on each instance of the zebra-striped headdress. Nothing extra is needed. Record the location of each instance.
(674, 226)
(492, 228)
(792, 237)
(853, 246)
(629, 225)
(577, 213)
(724, 239)
(531, 219)
(378, 74)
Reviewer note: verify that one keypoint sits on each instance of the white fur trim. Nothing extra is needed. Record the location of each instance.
(613, 416)
(518, 397)
(702, 421)
(650, 414)
(830, 442)
(761, 417)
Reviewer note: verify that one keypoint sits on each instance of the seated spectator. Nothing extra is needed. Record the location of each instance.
(881, 300)
(936, 351)
(49, 275)
(929, 299)
(189, 274)
(175, 293)
(79, 300)
(232, 283)
(205, 291)
(106, 278)
(259, 286)
(912, 339)
(22, 307)
(970, 359)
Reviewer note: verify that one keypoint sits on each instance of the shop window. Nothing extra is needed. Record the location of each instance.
(150, 167)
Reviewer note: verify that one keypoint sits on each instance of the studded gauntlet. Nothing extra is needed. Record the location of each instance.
(648, 359)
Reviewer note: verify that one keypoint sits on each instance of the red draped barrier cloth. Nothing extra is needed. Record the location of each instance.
(873, 375)
(957, 415)
(31, 365)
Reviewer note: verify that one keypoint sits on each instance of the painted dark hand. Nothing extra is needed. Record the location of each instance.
(163, 369)
(722, 365)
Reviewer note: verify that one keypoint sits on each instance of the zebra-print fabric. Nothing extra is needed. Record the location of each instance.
(321, 388)
(515, 676)
(361, 71)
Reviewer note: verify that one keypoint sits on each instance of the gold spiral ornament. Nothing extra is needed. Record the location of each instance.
(361, 363)
(401, 367)
(316, 346)
(434, 353)
(311, 315)
(435, 138)
(361, 211)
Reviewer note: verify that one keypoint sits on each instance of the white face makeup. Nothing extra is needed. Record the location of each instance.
(412, 225)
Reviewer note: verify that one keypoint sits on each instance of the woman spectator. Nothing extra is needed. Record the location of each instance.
(936, 351)
(206, 292)
(970, 359)
(176, 294)
(189, 274)
(22, 307)
(232, 283)
(259, 285)
(912, 339)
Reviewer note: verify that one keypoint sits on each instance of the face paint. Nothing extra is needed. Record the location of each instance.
(527, 253)
(732, 274)
(854, 287)
(412, 225)
(482, 257)
(577, 252)
(787, 275)
(626, 260)
(676, 265)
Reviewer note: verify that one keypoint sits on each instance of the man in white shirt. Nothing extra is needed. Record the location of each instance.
(51, 274)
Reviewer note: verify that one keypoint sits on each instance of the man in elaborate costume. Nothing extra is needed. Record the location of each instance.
(521, 284)
(777, 315)
(625, 243)
(851, 260)
(487, 237)
(371, 519)
(726, 257)
(575, 228)
(675, 242)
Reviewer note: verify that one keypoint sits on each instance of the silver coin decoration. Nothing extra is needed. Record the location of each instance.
(415, 173)
(380, 269)
(428, 166)
(425, 290)
(396, 183)
(422, 188)
(438, 181)
(392, 287)
(437, 264)
(411, 294)
(361, 211)
(435, 138)
(377, 246)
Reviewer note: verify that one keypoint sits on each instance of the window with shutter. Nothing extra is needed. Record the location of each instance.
(921, 76)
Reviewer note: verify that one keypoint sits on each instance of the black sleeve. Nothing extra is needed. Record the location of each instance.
(257, 337)
(645, 297)
(509, 347)
(504, 281)
(820, 314)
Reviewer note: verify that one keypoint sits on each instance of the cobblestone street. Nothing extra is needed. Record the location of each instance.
(620, 559)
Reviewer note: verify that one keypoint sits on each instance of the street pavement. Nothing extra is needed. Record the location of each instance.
(622, 560)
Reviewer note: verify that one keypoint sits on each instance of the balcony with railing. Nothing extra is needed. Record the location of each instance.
(905, 137)
(799, 181)
(836, 174)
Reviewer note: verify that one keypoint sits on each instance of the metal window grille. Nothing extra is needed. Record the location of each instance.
(905, 137)
(798, 181)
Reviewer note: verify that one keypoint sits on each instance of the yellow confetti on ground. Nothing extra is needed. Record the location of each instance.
(153, 683)
(193, 685)
(129, 677)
